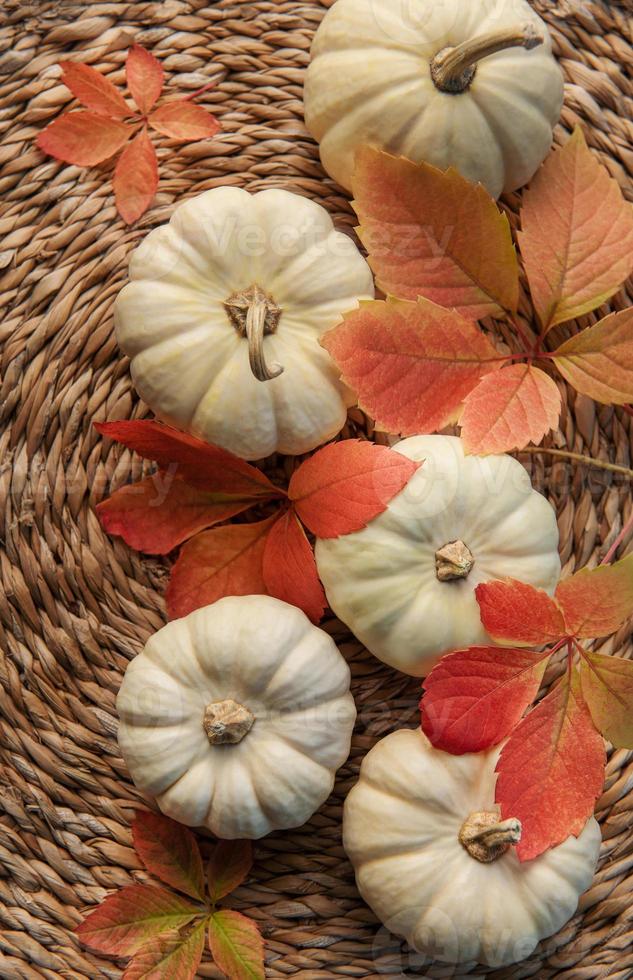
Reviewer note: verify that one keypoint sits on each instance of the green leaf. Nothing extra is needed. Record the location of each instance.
(236, 945)
(169, 851)
(127, 920)
(228, 866)
(169, 958)
(607, 687)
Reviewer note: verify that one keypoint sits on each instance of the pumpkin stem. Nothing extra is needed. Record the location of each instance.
(486, 838)
(227, 722)
(453, 69)
(254, 314)
(454, 561)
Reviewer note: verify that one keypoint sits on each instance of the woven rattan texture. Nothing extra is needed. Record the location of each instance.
(75, 606)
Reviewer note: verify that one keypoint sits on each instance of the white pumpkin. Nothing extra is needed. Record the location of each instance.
(237, 717)
(405, 583)
(223, 315)
(470, 85)
(436, 864)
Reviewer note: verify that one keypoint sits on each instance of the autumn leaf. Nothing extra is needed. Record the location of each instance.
(346, 484)
(169, 957)
(607, 687)
(170, 852)
(157, 514)
(83, 138)
(551, 770)
(434, 234)
(474, 698)
(516, 613)
(136, 178)
(577, 237)
(411, 364)
(183, 120)
(125, 921)
(597, 602)
(509, 409)
(598, 361)
(199, 463)
(94, 90)
(236, 945)
(290, 571)
(224, 561)
(144, 75)
(228, 867)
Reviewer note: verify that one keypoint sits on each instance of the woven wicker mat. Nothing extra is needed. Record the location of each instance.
(75, 606)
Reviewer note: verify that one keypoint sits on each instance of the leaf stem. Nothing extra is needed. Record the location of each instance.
(579, 458)
(618, 541)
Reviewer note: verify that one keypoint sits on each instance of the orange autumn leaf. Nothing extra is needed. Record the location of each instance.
(346, 484)
(94, 90)
(290, 571)
(434, 234)
(411, 364)
(598, 361)
(597, 602)
(223, 561)
(157, 514)
(577, 237)
(136, 178)
(144, 76)
(517, 613)
(607, 687)
(183, 120)
(171, 957)
(83, 138)
(509, 409)
(474, 698)
(551, 770)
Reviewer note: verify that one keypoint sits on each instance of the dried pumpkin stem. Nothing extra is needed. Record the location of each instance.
(453, 561)
(254, 314)
(227, 722)
(486, 838)
(453, 69)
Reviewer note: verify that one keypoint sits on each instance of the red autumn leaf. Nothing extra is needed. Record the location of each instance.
(169, 957)
(93, 90)
(157, 514)
(509, 409)
(598, 361)
(346, 484)
(144, 75)
(434, 234)
(224, 561)
(598, 602)
(136, 178)
(125, 921)
(412, 364)
(182, 120)
(83, 138)
(474, 698)
(551, 770)
(170, 852)
(516, 613)
(577, 238)
(229, 864)
(199, 463)
(290, 571)
(607, 687)
(236, 945)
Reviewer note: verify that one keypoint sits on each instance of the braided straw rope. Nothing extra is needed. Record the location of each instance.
(76, 606)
